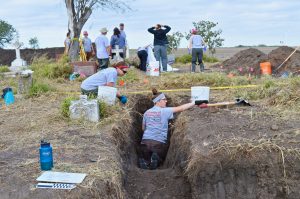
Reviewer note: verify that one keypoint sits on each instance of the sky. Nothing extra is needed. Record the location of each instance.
(243, 22)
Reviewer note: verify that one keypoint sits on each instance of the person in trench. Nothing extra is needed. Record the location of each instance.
(155, 126)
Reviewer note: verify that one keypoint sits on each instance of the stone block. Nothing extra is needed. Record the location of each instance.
(85, 109)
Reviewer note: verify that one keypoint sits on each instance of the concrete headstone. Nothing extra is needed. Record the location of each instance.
(18, 64)
(25, 81)
(85, 109)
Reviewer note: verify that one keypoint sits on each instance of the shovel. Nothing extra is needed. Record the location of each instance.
(238, 101)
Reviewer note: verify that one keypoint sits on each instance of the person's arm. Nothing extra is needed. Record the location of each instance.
(108, 49)
(111, 84)
(167, 28)
(191, 42)
(151, 30)
(183, 107)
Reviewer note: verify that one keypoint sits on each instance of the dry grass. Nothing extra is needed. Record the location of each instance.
(254, 152)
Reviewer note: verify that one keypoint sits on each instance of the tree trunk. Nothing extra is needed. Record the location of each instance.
(76, 22)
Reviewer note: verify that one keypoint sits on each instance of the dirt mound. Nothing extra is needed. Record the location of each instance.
(244, 62)
(247, 61)
(277, 57)
(228, 153)
(8, 55)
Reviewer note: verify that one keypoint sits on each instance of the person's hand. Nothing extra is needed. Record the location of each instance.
(123, 99)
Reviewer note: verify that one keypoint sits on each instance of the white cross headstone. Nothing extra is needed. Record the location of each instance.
(18, 63)
(117, 50)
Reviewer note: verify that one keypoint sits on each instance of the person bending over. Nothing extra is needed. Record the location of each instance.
(105, 77)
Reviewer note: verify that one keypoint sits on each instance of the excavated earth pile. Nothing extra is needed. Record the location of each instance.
(277, 57)
(244, 62)
(237, 153)
(248, 61)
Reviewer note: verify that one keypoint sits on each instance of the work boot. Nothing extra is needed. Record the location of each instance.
(201, 67)
(143, 164)
(154, 161)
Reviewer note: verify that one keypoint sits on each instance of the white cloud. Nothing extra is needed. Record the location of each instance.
(243, 22)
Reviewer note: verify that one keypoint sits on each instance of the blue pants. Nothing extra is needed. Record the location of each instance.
(197, 53)
(103, 63)
(160, 53)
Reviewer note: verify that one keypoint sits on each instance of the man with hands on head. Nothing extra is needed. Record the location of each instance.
(160, 43)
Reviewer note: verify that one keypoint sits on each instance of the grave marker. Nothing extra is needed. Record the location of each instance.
(18, 64)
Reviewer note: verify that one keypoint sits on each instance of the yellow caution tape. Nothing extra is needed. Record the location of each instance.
(178, 90)
(188, 89)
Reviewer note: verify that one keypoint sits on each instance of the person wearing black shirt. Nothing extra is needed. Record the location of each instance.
(160, 43)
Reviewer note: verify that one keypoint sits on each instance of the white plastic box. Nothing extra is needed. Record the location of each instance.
(152, 68)
(199, 93)
(107, 94)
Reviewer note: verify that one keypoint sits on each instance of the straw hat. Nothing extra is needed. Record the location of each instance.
(103, 30)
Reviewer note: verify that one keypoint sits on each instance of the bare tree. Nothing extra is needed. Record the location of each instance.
(79, 12)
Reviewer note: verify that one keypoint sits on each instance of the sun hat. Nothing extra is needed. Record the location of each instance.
(103, 30)
(85, 33)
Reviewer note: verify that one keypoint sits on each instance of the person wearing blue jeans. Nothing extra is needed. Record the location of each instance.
(196, 45)
(160, 43)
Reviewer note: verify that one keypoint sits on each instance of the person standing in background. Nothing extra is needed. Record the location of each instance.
(117, 39)
(103, 49)
(67, 43)
(160, 44)
(196, 45)
(88, 46)
(123, 34)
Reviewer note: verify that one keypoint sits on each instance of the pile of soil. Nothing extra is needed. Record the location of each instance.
(247, 61)
(277, 57)
(9, 55)
(230, 153)
(244, 62)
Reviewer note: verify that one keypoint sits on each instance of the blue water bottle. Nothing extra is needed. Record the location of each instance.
(46, 157)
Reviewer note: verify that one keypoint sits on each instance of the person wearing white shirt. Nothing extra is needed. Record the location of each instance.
(103, 49)
(196, 45)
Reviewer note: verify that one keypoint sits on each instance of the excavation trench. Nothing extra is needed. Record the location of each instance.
(226, 153)
(165, 182)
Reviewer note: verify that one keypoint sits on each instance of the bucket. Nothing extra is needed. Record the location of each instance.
(265, 68)
(153, 68)
(107, 94)
(199, 93)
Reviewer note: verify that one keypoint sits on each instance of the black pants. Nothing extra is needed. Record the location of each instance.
(148, 147)
(143, 55)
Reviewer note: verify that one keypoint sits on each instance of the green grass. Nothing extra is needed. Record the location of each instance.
(64, 108)
(47, 68)
(187, 80)
(130, 77)
(38, 88)
(4, 69)
(184, 59)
